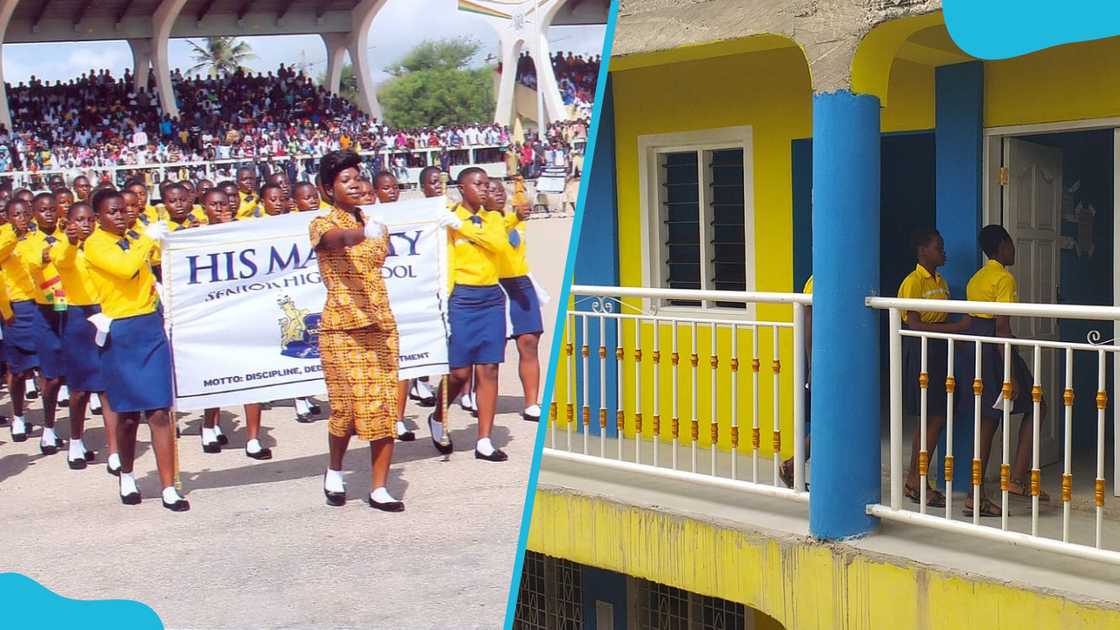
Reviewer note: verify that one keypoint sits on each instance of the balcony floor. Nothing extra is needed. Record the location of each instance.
(1005, 563)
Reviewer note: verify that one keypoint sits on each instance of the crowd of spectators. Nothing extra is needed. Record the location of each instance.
(98, 121)
(576, 76)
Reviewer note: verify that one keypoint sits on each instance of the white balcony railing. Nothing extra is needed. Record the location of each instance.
(1076, 543)
(630, 330)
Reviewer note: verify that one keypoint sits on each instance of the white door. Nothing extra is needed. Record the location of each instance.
(1032, 215)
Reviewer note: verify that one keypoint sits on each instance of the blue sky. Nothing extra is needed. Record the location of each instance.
(394, 31)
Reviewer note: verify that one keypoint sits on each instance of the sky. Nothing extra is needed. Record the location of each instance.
(394, 32)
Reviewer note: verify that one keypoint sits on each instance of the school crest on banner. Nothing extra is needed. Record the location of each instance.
(244, 303)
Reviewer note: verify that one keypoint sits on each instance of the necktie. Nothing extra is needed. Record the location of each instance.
(515, 238)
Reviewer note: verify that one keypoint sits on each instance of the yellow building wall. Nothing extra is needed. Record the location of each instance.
(800, 583)
(1074, 82)
(911, 100)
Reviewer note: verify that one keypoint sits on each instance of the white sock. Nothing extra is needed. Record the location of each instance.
(48, 438)
(18, 425)
(128, 484)
(381, 495)
(170, 495)
(253, 446)
(421, 388)
(333, 481)
(484, 446)
(217, 430)
(94, 402)
(467, 401)
(77, 449)
(63, 392)
(436, 427)
(401, 428)
(302, 406)
(114, 461)
(209, 436)
(533, 410)
(29, 385)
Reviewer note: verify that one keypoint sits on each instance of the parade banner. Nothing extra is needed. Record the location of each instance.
(244, 300)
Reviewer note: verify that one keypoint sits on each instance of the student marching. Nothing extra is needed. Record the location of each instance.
(83, 313)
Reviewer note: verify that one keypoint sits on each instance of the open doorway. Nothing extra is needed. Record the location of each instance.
(1054, 189)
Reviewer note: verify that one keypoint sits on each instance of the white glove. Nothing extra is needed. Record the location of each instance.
(157, 231)
(450, 220)
(374, 228)
(101, 322)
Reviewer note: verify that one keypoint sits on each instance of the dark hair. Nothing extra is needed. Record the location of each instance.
(213, 191)
(334, 163)
(245, 169)
(226, 183)
(268, 187)
(381, 174)
(467, 172)
(76, 206)
(136, 181)
(173, 186)
(303, 185)
(991, 237)
(102, 196)
(278, 174)
(42, 195)
(922, 237)
(428, 169)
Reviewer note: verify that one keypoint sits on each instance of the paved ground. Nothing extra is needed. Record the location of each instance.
(259, 548)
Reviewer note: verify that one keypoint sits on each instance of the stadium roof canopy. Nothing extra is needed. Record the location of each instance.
(148, 25)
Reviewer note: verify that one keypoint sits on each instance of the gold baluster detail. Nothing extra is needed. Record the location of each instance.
(694, 359)
(777, 441)
(676, 428)
(776, 365)
(948, 470)
(715, 433)
(638, 355)
(734, 364)
(950, 384)
(734, 438)
(656, 426)
(675, 358)
(694, 430)
(1006, 390)
(618, 420)
(1067, 488)
(602, 352)
(923, 463)
(656, 356)
(552, 412)
(756, 438)
(714, 362)
(975, 472)
(586, 416)
(571, 413)
(1102, 400)
(978, 387)
(585, 351)
(1036, 482)
(755, 365)
(618, 353)
(1004, 477)
(1036, 393)
(1067, 397)
(638, 423)
(602, 419)
(1098, 492)
(923, 380)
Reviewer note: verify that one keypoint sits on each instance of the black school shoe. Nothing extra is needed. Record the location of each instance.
(445, 450)
(497, 456)
(387, 506)
(181, 505)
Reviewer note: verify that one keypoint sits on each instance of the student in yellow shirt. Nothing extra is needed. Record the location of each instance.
(280, 178)
(431, 181)
(197, 213)
(994, 283)
(785, 471)
(274, 200)
(64, 198)
(21, 327)
(523, 306)
(307, 198)
(136, 343)
(233, 198)
(149, 213)
(82, 188)
(82, 365)
(249, 203)
(180, 214)
(34, 252)
(925, 283)
(218, 211)
(476, 309)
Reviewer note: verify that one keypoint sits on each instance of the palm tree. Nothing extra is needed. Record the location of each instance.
(221, 56)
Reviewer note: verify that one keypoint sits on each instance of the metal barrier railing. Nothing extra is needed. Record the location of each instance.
(1005, 346)
(637, 336)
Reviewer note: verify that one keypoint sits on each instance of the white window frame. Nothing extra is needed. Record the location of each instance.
(650, 147)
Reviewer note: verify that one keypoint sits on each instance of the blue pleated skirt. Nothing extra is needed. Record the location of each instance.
(136, 364)
(523, 306)
(81, 356)
(48, 341)
(19, 338)
(477, 316)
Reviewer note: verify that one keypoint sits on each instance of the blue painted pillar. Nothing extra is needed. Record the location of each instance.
(959, 141)
(845, 376)
(597, 260)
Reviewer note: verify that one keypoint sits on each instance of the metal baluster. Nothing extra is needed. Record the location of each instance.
(620, 413)
(714, 362)
(602, 386)
(734, 400)
(585, 351)
(571, 405)
(1005, 467)
(694, 424)
(1036, 474)
(776, 441)
(950, 387)
(923, 455)
(1067, 447)
(676, 359)
(638, 391)
(798, 397)
(1098, 485)
(756, 431)
(894, 339)
(657, 409)
(978, 394)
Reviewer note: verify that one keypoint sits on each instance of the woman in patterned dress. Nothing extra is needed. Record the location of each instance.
(358, 339)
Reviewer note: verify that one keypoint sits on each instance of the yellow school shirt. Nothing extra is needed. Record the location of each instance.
(71, 262)
(122, 274)
(324, 205)
(198, 213)
(476, 247)
(5, 303)
(189, 222)
(922, 285)
(21, 287)
(44, 275)
(808, 290)
(250, 206)
(151, 214)
(992, 283)
(512, 263)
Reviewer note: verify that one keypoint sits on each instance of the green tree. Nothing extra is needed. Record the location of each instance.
(434, 85)
(220, 56)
